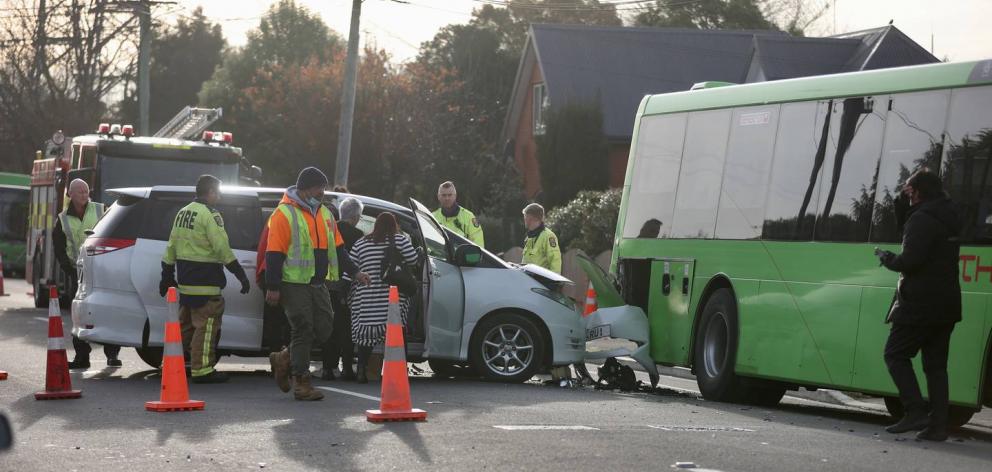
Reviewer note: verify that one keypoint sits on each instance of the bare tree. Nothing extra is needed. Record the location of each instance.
(795, 17)
(61, 62)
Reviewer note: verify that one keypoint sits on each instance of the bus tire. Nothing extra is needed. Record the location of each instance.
(715, 350)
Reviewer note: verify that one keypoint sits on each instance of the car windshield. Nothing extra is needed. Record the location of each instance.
(120, 172)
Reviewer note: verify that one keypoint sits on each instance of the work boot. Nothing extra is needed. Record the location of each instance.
(279, 363)
(932, 433)
(214, 377)
(302, 390)
(913, 420)
(79, 363)
(114, 362)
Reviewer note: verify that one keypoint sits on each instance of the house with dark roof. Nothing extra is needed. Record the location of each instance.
(618, 66)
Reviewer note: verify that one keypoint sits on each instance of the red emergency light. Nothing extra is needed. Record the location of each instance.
(228, 137)
(127, 131)
(104, 128)
(208, 136)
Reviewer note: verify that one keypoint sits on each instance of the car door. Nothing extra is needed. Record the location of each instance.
(444, 288)
(241, 327)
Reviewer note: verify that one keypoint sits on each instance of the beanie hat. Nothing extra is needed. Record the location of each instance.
(311, 177)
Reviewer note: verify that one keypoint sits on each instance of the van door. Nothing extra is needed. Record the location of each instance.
(445, 308)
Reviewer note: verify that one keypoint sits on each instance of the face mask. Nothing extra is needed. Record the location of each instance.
(313, 202)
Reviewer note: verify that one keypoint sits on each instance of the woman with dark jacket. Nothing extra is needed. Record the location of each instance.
(369, 303)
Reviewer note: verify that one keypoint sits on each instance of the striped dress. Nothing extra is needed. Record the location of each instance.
(369, 303)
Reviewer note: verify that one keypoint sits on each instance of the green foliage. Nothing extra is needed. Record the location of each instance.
(588, 222)
(572, 154)
(706, 14)
(183, 58)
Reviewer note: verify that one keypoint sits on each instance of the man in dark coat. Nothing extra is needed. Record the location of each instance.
(927, 304)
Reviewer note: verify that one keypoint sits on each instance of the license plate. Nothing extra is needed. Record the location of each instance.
(597, 332)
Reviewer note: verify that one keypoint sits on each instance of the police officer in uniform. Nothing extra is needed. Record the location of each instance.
(199, 248)
(456, 218)
(79, 216)
(541, 246)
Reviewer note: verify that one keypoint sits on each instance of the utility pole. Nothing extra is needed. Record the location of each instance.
(348, 98)
(144, 12)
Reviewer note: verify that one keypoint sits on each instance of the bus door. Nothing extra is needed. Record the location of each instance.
(668, 309)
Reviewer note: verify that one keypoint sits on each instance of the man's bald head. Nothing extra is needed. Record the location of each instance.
(79, 192)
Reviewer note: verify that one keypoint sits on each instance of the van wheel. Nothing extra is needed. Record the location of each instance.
(151, 355)
(715, 350)
(507, 347)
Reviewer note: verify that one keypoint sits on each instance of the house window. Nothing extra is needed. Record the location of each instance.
(540, 106)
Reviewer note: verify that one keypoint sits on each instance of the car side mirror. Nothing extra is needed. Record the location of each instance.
(468, 255)
(6, 433)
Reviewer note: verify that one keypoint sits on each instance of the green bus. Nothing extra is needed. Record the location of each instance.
(750, 214)
(14, 195)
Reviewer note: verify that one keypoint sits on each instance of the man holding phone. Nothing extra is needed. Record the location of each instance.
(927, 304)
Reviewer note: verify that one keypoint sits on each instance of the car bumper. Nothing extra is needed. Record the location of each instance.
(567, 339)
(109, 317)
(618, 332)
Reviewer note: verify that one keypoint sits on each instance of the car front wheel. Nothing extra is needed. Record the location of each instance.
(507, 347)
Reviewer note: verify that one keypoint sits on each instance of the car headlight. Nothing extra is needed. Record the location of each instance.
(558, 297)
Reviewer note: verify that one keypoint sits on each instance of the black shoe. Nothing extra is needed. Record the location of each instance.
(78, 363)
(348, 374)
(211, 378)
(914, 421)
(114, 363)
(326, 374)
(932, 433)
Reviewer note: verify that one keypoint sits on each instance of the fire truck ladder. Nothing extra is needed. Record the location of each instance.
(189, 123)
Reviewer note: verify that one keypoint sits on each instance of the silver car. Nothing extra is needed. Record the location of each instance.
(506, 321)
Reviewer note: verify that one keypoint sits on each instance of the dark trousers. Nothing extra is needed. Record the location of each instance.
(339, 345)
(83, 348)
(903, 344)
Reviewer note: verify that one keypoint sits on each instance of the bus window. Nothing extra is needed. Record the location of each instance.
(913, 139)
(701, 174)
(746, 175)
(967, 168)
(655, 173)
(850, 169)
(794, 191)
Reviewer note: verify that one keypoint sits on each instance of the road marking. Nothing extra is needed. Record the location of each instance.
(704, 429)
(354, 394)
(537, 427)
(41, 319)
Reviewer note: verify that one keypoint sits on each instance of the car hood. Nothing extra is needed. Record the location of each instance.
(544, 276)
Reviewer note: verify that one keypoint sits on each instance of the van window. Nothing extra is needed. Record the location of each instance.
(153, 218)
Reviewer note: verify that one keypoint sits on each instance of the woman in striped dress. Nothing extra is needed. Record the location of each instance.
(369, 303)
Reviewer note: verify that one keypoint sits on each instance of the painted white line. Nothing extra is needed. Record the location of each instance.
(702, 429)
(539, 427)
(41, 319)
(354, 394)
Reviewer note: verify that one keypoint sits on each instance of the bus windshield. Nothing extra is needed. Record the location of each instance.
(120, 172)
(13, 213)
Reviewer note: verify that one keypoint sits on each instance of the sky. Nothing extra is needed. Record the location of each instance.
(959, 28)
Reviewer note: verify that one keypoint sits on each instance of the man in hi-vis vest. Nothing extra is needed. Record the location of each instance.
(304, 242)
(80, 215)
(199, 250)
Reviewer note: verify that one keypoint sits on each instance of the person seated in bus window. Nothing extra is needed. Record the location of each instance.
(651, 229)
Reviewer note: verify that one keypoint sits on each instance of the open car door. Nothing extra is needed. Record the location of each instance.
(615, 329)
(444, 301)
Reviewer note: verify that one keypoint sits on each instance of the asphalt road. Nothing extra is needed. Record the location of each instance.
(249, 425)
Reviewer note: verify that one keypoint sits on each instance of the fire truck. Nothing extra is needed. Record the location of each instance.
(114, 157)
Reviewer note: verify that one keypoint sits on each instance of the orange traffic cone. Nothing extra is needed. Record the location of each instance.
(395, 404)
(175, 392)
(58, 385)
(590, 301)
(2, 293)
